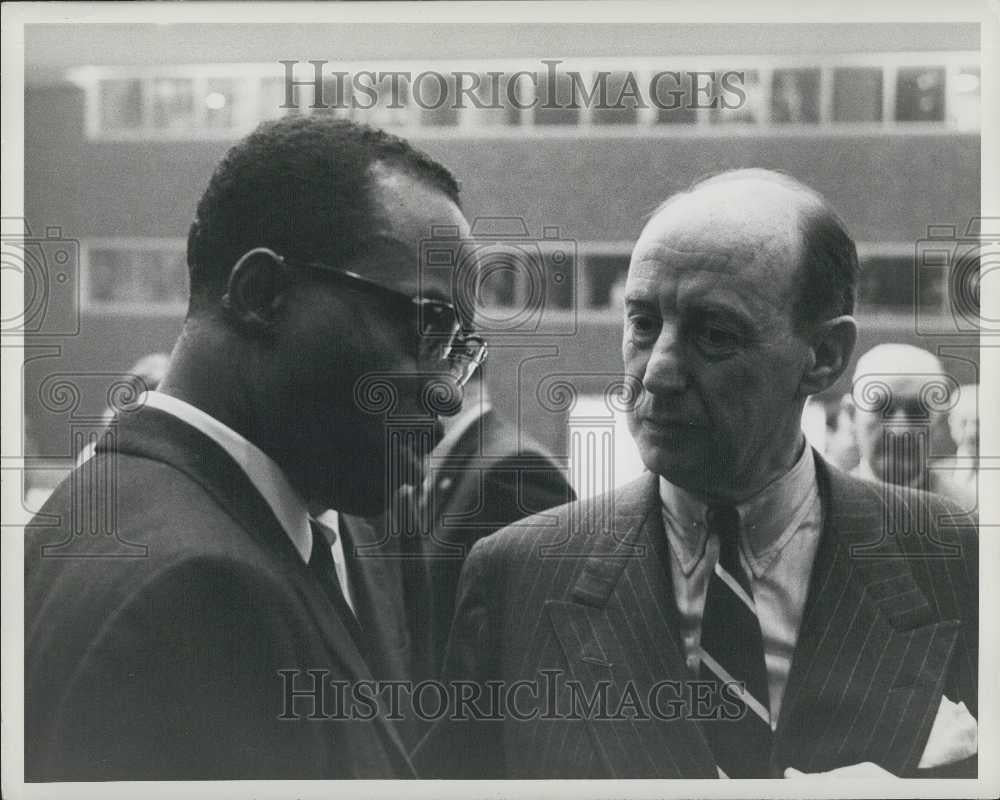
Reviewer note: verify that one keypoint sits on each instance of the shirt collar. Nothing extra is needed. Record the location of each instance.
(267, 477)
(768, 520)
(685, 523)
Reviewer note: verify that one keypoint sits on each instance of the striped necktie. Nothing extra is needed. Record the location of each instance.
(732, 650)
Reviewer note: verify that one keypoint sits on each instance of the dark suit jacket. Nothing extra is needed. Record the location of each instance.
(381, 598)
(153, 647)
(491, 477)
(404, 589)
(889, 625)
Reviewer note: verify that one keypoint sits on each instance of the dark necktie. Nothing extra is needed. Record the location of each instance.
(732, 649)
(322, 564)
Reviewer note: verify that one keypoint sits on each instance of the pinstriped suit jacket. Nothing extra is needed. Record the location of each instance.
(583, 591)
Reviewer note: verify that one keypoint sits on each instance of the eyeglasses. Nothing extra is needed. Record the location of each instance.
(442, 334)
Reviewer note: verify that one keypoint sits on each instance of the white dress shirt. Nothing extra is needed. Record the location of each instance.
(780, 530)
(266, 476)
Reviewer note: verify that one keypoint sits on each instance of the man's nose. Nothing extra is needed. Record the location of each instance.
(665, 370)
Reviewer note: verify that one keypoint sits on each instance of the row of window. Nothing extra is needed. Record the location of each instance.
(130, 276)
(195, 102)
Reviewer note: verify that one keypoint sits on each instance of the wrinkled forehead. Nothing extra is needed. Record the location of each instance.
(750, 231)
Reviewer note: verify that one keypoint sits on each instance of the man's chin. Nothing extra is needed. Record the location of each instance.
(689, 474)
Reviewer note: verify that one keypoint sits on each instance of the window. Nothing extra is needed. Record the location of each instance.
(526, 275)
(271, 98)
(886, 92)
(121, 105)
(173, 104)
(498, 285)
(111, 277)
(437, 102)
(857, 94)
(726, 105)
(136, 275)
(887, 282)
(496, 110)
(674, 98)
(606, 280)
(795, 96)
(616, 113)
(220, 102)
(559, 111)
(920, 94)
(560, 269)
(391, 109)
(964, 104)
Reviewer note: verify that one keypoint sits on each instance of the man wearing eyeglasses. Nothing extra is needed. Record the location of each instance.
(312, 363)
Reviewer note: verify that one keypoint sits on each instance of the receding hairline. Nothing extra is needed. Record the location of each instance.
(693, 212)
(806, 196)
(807, 224)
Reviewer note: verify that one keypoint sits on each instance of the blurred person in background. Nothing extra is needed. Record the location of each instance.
(896, 405)
(841, 443)
(485, 474)
(963, 424)
(304, 282)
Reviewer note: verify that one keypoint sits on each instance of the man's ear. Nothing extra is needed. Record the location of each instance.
(255, 290)
(832, 343)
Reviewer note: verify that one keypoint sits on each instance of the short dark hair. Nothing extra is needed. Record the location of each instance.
(301, 186)
(830, 268)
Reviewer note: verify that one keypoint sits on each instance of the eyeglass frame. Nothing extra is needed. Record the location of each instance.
(458, 337)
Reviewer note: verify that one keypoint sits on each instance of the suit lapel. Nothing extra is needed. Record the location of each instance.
(869, 666)
(377, 588)
(618, 633)
(154, 434)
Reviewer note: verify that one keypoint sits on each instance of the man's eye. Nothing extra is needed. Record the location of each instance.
(715, 338)
(643, 326)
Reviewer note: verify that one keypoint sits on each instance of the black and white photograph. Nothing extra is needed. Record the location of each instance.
(459, 399)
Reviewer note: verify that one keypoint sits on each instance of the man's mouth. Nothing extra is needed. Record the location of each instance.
(671, 424)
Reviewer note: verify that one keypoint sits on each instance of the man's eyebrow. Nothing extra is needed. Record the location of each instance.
(641, 302)
(734, 311)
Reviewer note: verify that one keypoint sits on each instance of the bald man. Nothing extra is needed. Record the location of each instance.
(898, 405)
(963, 424)
(742, 613)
